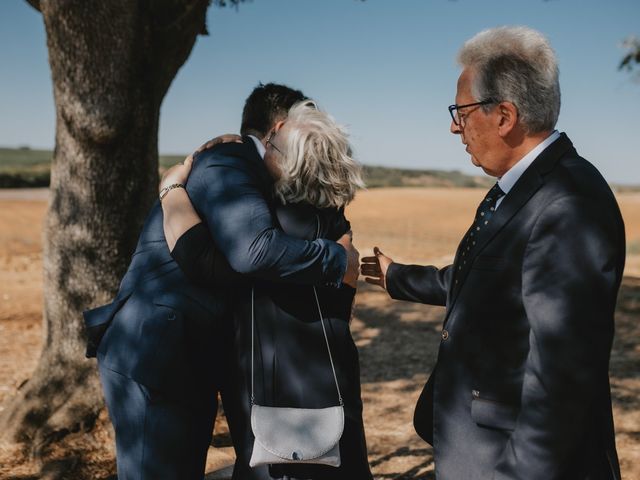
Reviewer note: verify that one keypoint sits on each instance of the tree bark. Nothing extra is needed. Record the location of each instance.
(112, 63)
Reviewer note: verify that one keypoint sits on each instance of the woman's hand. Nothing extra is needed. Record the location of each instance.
(179, 173)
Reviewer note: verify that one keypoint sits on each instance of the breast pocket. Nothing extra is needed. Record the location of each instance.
(197, 305)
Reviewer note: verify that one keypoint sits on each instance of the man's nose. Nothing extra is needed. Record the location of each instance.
(454, 128)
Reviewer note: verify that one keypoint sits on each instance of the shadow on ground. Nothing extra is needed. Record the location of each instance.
(398, 344)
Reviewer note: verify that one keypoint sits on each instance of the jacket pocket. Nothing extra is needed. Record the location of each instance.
(485, 262)
(493, 413)
(97, 320)
(162, 361)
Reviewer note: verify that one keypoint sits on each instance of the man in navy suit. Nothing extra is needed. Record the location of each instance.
(162, 344)
(520, 389)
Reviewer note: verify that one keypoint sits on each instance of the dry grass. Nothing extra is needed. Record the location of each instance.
(397, 340)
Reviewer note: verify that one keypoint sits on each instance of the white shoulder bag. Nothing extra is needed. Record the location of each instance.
(296, 435)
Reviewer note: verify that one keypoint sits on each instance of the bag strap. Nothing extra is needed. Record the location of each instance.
(324, 331)
(326, 339)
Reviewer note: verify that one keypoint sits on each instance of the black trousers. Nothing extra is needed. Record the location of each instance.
(158, 437)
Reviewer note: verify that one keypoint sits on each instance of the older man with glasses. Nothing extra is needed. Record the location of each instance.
(521, 388)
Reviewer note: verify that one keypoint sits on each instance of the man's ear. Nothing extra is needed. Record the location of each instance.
(278, 125)
(507, 118)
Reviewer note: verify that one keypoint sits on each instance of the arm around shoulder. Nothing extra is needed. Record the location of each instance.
(230, 197)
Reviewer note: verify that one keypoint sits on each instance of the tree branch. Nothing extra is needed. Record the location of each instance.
(175, 26)
(632, 44)
(34, 3)
(177, 14)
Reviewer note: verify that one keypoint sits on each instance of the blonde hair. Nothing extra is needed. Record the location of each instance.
(316, 164)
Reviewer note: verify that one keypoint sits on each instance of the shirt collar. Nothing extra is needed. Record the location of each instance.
(259, 146)
(509, 179)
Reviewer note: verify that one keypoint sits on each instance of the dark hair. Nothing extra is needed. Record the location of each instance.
(266, 105)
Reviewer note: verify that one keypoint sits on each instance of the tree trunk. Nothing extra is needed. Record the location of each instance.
(111, 63)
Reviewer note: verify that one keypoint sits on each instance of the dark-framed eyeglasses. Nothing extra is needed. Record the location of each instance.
(269, 142)
(459, 120)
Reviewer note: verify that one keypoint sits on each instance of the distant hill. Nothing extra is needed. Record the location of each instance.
(24, 167)
(28, 168)
(398, 177)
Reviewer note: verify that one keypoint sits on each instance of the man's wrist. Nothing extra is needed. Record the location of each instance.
(389, 285)
(338, 257)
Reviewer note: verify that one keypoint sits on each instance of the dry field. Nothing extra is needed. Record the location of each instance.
(398, 341)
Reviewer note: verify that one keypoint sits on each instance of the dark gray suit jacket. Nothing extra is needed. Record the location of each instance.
(161, 329)
(521, 389)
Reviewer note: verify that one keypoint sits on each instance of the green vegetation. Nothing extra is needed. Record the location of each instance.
(167, 161)
(27, 168)
(23, 157)
(24, 167)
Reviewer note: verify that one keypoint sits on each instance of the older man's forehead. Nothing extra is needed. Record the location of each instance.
(463, 92)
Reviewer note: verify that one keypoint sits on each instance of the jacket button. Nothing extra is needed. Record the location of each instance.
(445, 334)
(475, 393)
(172, 316)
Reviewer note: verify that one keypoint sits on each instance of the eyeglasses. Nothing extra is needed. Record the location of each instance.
(459, 119)
(269, 142)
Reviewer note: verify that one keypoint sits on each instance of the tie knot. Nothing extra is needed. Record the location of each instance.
(495, 193)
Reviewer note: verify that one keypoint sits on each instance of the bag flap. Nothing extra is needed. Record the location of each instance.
(297, 433)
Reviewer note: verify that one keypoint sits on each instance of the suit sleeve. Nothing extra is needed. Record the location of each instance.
(417, 283)
(571, 274)
(201, 262)
(229, 198)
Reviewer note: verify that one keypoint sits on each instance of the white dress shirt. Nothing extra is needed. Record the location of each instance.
(509, 179)
(261, 148)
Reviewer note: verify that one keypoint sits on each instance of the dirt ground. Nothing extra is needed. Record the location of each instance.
(397, 341)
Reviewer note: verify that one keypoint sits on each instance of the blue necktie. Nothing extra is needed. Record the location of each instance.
(485, 211)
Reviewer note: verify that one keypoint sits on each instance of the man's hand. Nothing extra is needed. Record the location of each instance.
(179, 173)
(353, 260)
(226, 138)
(375, 268)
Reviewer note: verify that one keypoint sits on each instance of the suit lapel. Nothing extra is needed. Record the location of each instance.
(530, 181)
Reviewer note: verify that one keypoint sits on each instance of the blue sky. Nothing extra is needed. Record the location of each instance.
(384, 68)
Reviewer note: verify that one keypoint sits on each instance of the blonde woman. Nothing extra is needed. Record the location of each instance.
(308, 158)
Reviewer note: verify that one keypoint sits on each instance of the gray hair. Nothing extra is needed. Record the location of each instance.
(316, 166)
(517, 65)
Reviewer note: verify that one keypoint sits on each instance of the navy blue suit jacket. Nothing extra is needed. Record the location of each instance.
(160, 328)
(521, 389)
